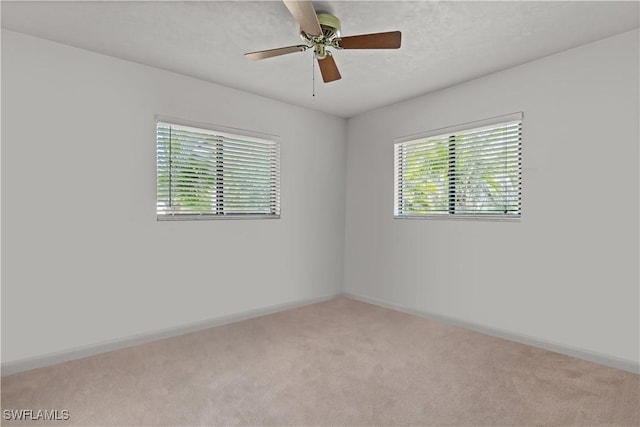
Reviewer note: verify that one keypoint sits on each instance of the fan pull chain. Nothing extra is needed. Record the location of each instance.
(313, 78)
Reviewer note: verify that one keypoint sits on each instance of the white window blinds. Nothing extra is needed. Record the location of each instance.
(472, 171)
(204, 174)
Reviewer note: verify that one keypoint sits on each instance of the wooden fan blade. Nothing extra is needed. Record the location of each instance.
(305, 14)
(390, 40)
(262, 54)
(329, 69)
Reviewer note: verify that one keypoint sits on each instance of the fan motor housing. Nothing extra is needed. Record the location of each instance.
(330, 26)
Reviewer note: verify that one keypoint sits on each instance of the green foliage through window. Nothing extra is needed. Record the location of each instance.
(473, 172)
(202, 173)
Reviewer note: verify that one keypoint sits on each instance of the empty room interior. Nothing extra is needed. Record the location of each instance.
(360, 213)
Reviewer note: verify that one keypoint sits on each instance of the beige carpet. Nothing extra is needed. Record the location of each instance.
(340, 362)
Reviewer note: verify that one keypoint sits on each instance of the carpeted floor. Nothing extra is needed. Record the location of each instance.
(339, 362)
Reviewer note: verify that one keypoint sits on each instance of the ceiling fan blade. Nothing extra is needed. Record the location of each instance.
(305, 14)
(329, 69)
(262, 54)
(390, 40)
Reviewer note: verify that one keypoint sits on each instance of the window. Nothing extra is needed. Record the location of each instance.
(471, 171)
(203, 174)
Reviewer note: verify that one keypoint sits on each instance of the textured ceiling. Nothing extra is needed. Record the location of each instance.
(443, 43)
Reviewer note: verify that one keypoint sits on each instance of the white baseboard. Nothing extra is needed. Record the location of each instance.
(17, 366)
(603, 359)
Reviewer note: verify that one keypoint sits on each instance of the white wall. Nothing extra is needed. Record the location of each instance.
(568, 272)
(84, 260)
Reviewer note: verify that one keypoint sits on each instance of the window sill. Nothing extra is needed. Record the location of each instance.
(499, 218)
(189, 217)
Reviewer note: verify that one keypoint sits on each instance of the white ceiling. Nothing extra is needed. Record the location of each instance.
(443, 42)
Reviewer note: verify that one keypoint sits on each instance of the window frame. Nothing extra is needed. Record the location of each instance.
(228, 132)
(451, 131)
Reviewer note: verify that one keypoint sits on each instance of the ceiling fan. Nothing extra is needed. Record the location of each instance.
(321, 31)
